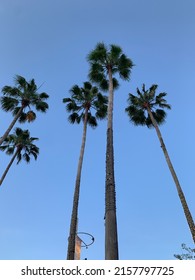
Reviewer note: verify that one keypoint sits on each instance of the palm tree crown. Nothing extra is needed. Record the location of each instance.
(102, 59)
(22, 96)
(19, 98)
(85, 98)
(23, 143)
(147, 99)
(21, 146)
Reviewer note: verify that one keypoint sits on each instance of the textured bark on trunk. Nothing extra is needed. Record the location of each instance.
(74, 216)
(111, 237)
(11, 125)
(8, 167)
(176, 180)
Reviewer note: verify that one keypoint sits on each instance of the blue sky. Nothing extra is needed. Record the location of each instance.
(49, 41)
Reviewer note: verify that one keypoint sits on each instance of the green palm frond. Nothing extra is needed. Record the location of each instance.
(115, 53)
(19, 158)
(104, 85)
(41, 106)
(124, 67)
(43, 96)
(91, 120)
(22, 118)
(75, 118)
(8, 103)
(20, 82)
(10, 150)
(136, 115)
(88, 86)
(97, 73)
(11, 91)
(66, 100)
(101, 113)
(160, 116)
(99, 54)
(26, 157)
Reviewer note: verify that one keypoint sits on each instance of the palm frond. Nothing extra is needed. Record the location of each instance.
(137, 116)
(160, 116)
(9, 91)
(22, 118)
(87, 86)
(124, 67)
(41, 106)
(101, 113)
(19, 157)
(97, 73)
(115, 53)
(91, 121)
(8, 103)
(66, 100)
(43, 96)
(26, 157)
(99, 54)
(20, 82)
(74, 118)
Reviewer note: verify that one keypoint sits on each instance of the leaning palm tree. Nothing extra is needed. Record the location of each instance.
(19, 99)
(83, 101)
(147, 109)
(21, 146)
(105, 62)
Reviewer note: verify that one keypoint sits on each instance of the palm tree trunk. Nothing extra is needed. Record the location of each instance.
(11, 125)
(111, 237)
(8, 167)
(74, 217)
(179, 189)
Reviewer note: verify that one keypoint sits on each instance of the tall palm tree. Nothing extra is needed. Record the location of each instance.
(19, 99)
(105, 63)
(21, 146)
(83, 101)
(144, 110)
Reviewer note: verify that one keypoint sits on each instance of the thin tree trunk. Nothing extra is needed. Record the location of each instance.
(111, 237)
(11, 125)
(179, 189)
(74, 217)
(8, 167)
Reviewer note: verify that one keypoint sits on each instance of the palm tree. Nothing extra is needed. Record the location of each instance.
(19, 100)
(83, 100)
(105, 62)
(143, 110)
(21, 146)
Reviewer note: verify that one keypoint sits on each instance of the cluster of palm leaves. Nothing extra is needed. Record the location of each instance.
(19, 100)
(145, 108)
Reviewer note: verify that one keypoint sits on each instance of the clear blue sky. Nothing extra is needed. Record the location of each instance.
(49, 41)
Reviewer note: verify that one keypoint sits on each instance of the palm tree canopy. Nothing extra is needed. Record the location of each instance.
(85, 98)
(147, 99)
(24, 94)
(22, 141)
(103, 58)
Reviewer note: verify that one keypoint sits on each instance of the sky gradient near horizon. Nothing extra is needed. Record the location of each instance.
(49, 40)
